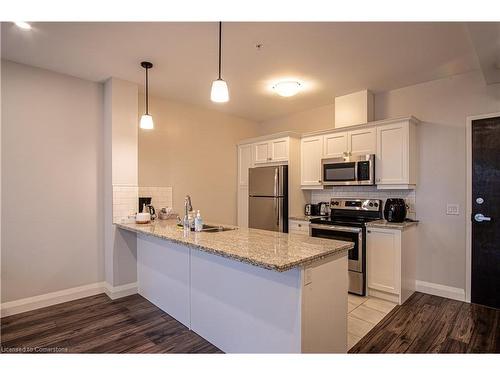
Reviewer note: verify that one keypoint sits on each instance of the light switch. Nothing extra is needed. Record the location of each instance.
(452, 209)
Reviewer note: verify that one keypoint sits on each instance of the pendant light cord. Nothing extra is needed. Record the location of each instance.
(147, 92)
(220, 46)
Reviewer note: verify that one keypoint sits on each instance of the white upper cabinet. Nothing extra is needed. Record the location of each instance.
(272, 151)
(262, 152)
(244, 162)
(335, 145)
(279, 149)
(396, 157)
(355, 142)
(310, 163)
(362, 141)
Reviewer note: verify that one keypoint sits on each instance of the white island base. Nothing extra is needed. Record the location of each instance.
(242, 308)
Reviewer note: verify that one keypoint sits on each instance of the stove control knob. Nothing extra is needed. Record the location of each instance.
(375, 204)
(370, 204)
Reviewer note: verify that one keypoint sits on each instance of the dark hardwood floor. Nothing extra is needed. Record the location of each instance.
(100, 325)
(431, 324)
(423, 324)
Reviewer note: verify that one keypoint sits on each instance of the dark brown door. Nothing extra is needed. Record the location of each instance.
(486, 212)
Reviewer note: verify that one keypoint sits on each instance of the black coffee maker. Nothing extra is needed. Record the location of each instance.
(146, 201)
(395, 210)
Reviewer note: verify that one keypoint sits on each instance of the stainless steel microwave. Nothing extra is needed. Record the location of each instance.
(354, 170)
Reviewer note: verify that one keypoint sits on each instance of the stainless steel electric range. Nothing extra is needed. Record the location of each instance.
(347, 223)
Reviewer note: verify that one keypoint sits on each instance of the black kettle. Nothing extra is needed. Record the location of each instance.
(395, 210)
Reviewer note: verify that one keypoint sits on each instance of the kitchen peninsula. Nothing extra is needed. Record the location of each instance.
(247, 290)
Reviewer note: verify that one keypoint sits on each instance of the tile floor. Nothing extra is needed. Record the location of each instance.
(363, 314)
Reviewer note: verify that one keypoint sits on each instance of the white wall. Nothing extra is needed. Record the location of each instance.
(52, 196)
(193, 150)
(121, 176)
(443, 106)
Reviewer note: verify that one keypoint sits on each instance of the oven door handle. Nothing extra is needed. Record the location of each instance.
(336, 227)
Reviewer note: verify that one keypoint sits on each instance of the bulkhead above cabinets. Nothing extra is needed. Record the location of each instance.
(394, 143)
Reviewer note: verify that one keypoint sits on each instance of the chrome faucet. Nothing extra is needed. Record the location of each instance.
(188, 207)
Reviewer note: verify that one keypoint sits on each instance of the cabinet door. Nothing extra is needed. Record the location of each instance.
(279, 149)
(363, 141)
(243, 206)
(244, 162)
(262, 152)
(335, 145)
(298, 227)
(383, 259)
(391, 166)
(310, 168)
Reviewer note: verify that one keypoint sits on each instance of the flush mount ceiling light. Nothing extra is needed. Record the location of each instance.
(23, 25)
(220, 92)
(147, 119)
(287, 88)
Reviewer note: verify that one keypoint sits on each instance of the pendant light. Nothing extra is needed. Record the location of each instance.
(220, 93)
(147, 119)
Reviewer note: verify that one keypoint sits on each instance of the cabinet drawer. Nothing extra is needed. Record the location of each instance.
(298, 226)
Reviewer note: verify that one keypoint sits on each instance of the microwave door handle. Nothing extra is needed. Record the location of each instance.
(356, 171)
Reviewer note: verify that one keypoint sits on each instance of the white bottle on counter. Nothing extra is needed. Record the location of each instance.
(198, 222)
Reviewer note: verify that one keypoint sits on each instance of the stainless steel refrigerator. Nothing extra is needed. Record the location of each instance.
(268, 198)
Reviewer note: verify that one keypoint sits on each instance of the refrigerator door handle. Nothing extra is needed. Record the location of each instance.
(277, 213)
(276, 192)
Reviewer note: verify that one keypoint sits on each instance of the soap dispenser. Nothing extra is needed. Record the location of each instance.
(198, 222)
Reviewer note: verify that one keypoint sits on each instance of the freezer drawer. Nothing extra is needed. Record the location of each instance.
(265, 213)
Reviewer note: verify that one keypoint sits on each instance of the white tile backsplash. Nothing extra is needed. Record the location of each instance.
(125, 198)
(161, 196)
(365, 192)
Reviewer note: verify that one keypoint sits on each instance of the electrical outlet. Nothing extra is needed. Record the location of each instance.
(411, 206)
(452, 209)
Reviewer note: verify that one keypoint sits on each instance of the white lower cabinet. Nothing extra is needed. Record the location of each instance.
(391, 262)
(298, 226)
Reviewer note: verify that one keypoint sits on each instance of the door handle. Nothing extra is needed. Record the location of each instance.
(480, 218)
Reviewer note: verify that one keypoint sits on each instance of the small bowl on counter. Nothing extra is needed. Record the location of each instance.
(143, 218)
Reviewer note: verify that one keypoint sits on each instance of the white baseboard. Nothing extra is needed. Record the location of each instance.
(120, 291)
(441, 290)
(49, 299)
(66, 295)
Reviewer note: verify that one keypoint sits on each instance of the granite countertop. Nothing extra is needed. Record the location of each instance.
(385, 224)
(271, 250)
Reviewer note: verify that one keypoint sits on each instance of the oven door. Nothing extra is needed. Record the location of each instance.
(341, 233)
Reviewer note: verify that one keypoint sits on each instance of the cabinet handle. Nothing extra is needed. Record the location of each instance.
(368, 231)
(299, 225)
(268, 158)
(320, 181)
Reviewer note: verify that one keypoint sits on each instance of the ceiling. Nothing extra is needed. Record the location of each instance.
(330, 59)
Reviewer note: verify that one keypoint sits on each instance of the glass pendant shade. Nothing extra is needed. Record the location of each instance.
(146, 122)
(146, 119)
(220, 92)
